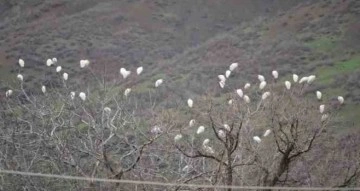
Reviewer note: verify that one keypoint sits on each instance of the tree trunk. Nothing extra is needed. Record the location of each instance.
(229, 177)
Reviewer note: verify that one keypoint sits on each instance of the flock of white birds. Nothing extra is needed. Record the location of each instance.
(222, 82)
(221, 133)
(83, 64)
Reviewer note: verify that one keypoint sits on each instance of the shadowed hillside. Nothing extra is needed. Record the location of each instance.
(118, 32)
(188, 42)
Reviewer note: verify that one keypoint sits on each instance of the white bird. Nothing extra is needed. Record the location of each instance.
(139, 70)
(265, 95)
(8, 93)
(247, 85)
(209, 149)
(107, 110)
(82, 95)
(178, 137)
(221, 134)
(227, 73)
(54, 60)
(295, 77)
(261, 78)
(58, 69)
(186, 168)
(206, 142)
(222, 84)
(267, 132)
(200, 130)
(318, 95)
(192, 122)
(240, 92)
(311, 79)
(230, 102)
(127, 92)
(87, 62)
(321, 108)
(125, 73)
(257, 139)
(303, 79)
(287, 85)
(262, 85)
(84, 63)
(246, 99)
(190, 102)
(21, 63)
(72, 95)
(340, 99)
(156, 130)
(227, 127)
(65, 76)
(233, 66)
(158, 82)
(49, 62)
(324, 117)
(20, 77)
(222, 78)
(275, 74)
(43, 89)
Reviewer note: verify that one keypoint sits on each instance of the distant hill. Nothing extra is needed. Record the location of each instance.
(189, 43)
(118, 32)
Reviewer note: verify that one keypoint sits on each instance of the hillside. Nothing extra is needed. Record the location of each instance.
(172, 125)
(188, 43)
(320, 38)
(119, 32)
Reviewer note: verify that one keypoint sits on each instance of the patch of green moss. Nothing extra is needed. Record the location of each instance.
(327, 73)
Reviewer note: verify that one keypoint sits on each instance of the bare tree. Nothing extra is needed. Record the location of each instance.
(265, 134)
(260, 136)
(94, 129)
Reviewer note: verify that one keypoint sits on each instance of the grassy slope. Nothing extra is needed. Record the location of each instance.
(114, 33)
(316, 38)
(189, 44)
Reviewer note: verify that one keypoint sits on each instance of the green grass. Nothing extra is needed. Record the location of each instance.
(351, 112)
(327, 73)
(8, 78)
(350, 65)
(323, 43)
(332, 92)
(113, 91)
(347, 118)
(145, 86)
(348, 115)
